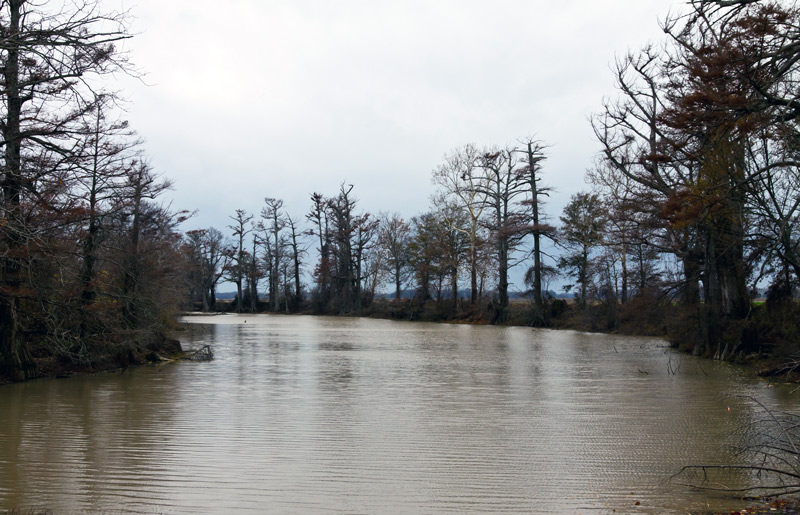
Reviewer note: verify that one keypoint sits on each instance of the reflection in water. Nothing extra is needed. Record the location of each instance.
(300, 414)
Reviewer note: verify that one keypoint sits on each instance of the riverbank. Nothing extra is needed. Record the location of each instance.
(101, 357)
(767, 355)
(768, 338)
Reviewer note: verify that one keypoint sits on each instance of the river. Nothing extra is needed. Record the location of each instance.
(301, 414)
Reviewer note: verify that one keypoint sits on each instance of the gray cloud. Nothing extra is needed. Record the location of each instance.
(280, 98)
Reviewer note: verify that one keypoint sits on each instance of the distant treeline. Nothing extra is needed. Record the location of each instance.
(404, 294)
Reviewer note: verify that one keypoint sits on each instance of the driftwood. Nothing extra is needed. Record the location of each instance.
(204, 353)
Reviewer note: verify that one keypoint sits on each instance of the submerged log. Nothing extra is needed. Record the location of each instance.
(204, 353)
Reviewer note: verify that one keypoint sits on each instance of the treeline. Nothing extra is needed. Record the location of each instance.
(693, 207)
(90, 261)
(487, 204)
(700, 162)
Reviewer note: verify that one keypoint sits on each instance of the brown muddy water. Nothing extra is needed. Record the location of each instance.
(336, 415)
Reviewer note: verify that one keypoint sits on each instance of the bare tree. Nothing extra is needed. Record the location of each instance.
(253, 272)
(424, 253)
(394, 237)
(210, 255)
(454, 242)
(461, 177)
(503, 183)
(641, 151)
(364, 241)
(97, 168)
(238, 264)
(298, 251)
(275, 222)
(48, 62)
(318, 215)
(534, 156)
(631, 229)
(142, 184)
(341, 213)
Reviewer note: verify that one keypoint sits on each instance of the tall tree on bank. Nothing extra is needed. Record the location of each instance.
(318, 216)
(641, 151)
(149, 235)
(454, 244)
(254, 272)
(701, 131)
(210, 255)
(719, 110)
(424, 254)
(142, 186)
(581, 231)
(503, 184)
(47, 61)
(631, 230)
(351, 236)
(533, 152)
(341, 209)
(275, 222)
(460, 177)
(298, 249)
(98, 168)
(394, 236)
(364, 242)
(238, 265)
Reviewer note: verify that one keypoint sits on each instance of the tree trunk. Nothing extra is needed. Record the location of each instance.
(276, 265)
(254, 279)
(454, 289)
(691, 273)
(90, 243)
(537, 253)
(206, 307)
(130, 282)
(624, 265)
(537, 270)
(583, 276)
(473, 272)
(502, 283)
(87, 273)
(14, 359)
(297, 289)
(397, 280)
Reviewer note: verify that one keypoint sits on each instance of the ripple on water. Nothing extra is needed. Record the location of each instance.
(303, 414)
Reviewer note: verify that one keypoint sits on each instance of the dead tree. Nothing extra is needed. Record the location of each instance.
(238, 265)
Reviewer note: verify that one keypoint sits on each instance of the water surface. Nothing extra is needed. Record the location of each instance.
(335, 415)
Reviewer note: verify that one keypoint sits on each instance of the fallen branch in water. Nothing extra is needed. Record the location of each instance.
(771, 460)
(204, 353)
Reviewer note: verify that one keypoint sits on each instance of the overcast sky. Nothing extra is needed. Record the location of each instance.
(255, 98)
(249, 99)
